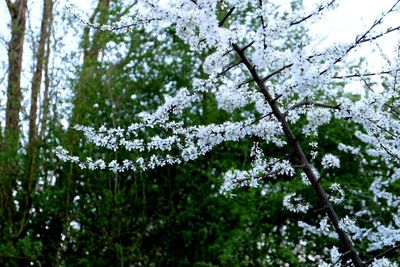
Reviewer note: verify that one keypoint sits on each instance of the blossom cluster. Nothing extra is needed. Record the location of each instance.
(295, 203)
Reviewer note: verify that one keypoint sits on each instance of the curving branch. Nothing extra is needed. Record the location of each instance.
(229, 67)
(391, 251)
(389, 30)
(276, 72)
(358, 75)
(307, 102)
(321, 8)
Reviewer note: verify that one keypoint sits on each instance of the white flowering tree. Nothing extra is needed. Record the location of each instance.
(259, 55)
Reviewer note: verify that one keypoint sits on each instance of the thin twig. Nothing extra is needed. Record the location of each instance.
(341, 257)
(221, 23)
(391, 250)
(229, 67)
(261, 177)
(357, 75)
(247, 46)
(322, 7)
(306, 102)
(320, 209)
(246, 82)
(363, 38)
(277, 72)
(380, 35)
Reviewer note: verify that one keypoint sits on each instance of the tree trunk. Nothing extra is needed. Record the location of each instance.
(32, 162)
(9, 167)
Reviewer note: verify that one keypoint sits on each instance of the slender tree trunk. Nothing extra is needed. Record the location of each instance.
(9, 166)
(46, 98)
(32, 163)
(45, 109)
(35, 89)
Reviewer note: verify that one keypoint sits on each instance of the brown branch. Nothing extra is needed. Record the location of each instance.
(221, 23)
(300, 166)
(246, 82)
(127, 9)
(344, 255)
(229, 67)
(362, 38)
(376, 23)
(391, 110)
(306, 102)
(272, 74)
(357, 75)
(387, 151)
(319, 209)
(380, 35)
(247, 46)
(265, 175)
(292, 140)
(264, 26)
(277, 97)
(227, 52)
(322, 7)
(11, 6)
(15, 257)
(33, 146)
(391, 250)
(46, 99)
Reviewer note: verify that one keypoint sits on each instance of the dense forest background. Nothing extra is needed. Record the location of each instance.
(55, 214)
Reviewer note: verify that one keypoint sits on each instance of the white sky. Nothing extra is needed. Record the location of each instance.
(351, 17)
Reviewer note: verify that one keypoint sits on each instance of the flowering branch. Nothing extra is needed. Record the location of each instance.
(307, 102)
(391, 251)
(358, 75)
(320, 8)
(301, 156)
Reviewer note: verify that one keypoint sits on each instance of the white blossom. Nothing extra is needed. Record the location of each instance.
(337, 195)
(383, 263)
(330, 161)
(295, 203)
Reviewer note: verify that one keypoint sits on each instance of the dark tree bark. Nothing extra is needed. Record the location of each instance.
(9, 166)
(32, 162)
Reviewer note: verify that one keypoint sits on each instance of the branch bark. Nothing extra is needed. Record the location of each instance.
(10, 6)
(390, 251)
(307, 102)
(221, 23)
(319, 191)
